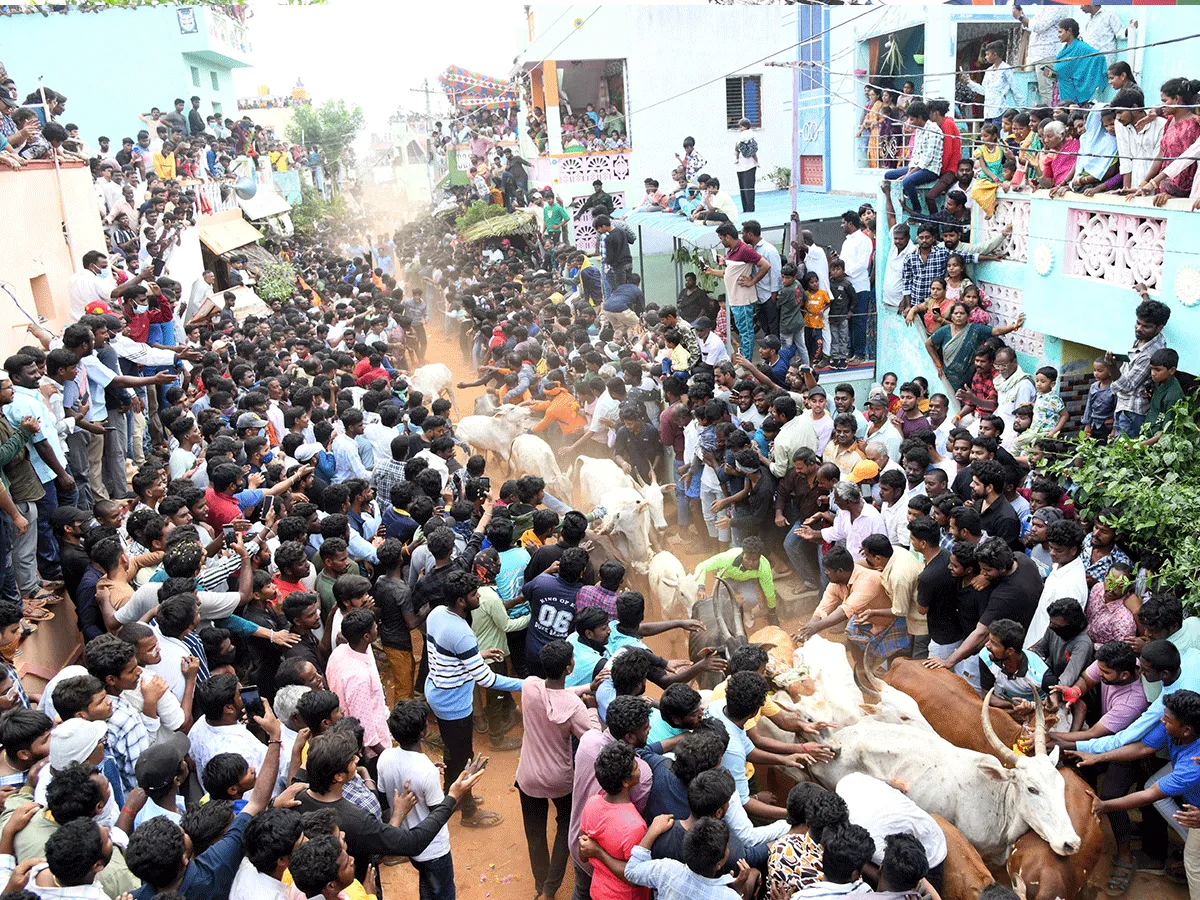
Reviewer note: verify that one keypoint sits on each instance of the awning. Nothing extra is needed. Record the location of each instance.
(264, 204)
(772, 209)
(248, 303)
(227, 231)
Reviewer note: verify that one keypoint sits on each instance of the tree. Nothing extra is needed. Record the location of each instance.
(333, 125)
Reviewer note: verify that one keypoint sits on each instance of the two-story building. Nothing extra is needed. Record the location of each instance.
(181, 51)
(1070, 262)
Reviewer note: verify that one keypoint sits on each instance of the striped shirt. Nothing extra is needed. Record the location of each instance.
(455, 666)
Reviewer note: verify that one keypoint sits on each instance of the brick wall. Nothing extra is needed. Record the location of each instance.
(1074, 382)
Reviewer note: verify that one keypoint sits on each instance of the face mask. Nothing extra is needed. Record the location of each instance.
(139, 310)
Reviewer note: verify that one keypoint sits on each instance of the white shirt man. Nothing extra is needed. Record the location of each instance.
(893, 273)
(1101, 29)
(883, 810)
(1138, 148)
(86, 286)
(856, 254)
(1063, 581)
(713, 351)
(209, 740)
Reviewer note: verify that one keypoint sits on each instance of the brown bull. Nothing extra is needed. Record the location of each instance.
(964, 874)
(953, 709)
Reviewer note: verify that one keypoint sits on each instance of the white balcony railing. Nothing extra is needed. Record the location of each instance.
(1011, 210)
(581, 168)
(1119, 248)
(214, 196)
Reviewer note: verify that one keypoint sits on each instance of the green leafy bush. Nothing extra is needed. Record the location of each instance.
(478, 212)
(276, 281)
(1156, 494)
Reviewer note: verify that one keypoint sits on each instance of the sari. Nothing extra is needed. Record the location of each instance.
(1059, 165)
(889, 144)
(1178, 136)
(1081, 72)
(1097, 149)
(958, 350)
(872, 121)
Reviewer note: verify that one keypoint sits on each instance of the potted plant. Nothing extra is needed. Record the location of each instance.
(781, 177)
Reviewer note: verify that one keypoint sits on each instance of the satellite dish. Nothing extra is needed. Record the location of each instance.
(246, 188)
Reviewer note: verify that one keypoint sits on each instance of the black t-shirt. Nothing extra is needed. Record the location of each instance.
(971, 604)
(937, 593)
(641, 449)
(1000, 520)
(1015, 596)
(546, 556)
(392, 598)
(74, 563)
(961, 485)
(262, 657)
(551, 613)
(694, 304)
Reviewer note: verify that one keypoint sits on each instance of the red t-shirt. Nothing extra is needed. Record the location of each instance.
(617, 828)
(742, 252)
(284, 588)
(365, 378)
(951, 145)
(222, 509)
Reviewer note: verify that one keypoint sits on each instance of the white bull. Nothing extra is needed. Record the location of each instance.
(990, 804)
(434, 380)
(531, 455)
(831, 694)
(598, 480)
(494, 433)
(632, 509)
(672, 586)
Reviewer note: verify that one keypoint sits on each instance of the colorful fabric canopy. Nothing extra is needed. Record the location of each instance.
(472, 90)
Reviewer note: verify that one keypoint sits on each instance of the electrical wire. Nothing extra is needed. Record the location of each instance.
(804, 42)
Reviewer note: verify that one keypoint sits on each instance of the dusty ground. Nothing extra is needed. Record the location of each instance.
(493, 863)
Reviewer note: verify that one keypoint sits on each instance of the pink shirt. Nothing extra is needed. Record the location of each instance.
(618, 828)
(585, 786)
(551, 718)
(1120, 704)
(351, 676)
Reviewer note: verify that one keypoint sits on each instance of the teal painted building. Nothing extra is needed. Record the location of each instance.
(116, 63)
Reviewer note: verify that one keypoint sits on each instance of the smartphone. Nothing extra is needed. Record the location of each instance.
(265, 507)
(486, 483)
(252, 700)
(230, 535)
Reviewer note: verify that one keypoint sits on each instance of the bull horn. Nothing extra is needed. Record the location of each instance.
(1006, 754)
(1039, 731)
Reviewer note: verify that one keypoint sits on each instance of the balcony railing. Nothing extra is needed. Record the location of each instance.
(214, 196)
(581, 168)
(1120, 248)
(1010, 210)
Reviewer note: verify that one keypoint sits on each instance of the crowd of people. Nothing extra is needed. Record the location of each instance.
(1127, 145)
(301, 581)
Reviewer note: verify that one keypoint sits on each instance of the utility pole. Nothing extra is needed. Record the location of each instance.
(429, 152)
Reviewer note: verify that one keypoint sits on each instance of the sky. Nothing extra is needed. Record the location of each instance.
(371, 52)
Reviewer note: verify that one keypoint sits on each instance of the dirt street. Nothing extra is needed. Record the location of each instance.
(493, 863)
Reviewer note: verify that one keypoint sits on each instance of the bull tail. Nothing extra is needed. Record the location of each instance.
(864, 678)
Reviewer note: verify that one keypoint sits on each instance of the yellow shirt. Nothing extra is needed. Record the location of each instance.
(354, 892)
(814, 306)
(164, 166)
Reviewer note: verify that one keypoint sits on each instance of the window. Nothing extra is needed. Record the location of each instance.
(43, 298)
(217, 110)
(195, 77)
(216, 82)
(743, 100)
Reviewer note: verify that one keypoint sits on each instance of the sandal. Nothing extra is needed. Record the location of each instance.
(483, 818)
(1120, 878)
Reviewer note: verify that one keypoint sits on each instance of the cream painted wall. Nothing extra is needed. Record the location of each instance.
(32, 243)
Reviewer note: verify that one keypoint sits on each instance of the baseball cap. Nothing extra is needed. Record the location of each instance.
(877, 398)
(74, 741)
(68, 515)
(1049, 514)
(158, 765)
(704, 322)
(98, 307)
(250, 420)
(305, 452)
(864, 470)
(816, 391)
(771, 342)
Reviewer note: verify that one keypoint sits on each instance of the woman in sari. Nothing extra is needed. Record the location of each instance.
(871, 122)
(1179, 96)
(1080, 70)
(1097, 162)
(889, 132)
(1059, 156)
(952, 347)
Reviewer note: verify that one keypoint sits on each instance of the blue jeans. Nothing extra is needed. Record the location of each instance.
(742, 319)
(1129, 423)
(437, 878)
(796, 339)
(911, 183)
(48, 565)
(858, 324)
